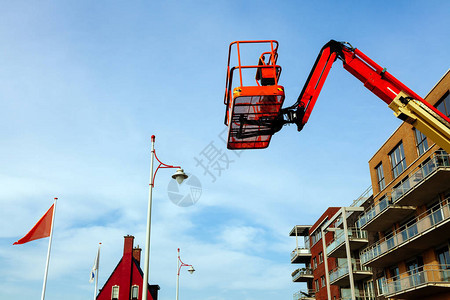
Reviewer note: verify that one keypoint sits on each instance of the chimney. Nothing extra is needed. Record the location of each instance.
(128, 245)
(137, 254)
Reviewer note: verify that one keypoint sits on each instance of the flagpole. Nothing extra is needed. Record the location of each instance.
(96, 275)
(48, 252)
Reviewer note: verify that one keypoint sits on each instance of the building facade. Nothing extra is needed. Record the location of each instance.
(310, 255)
(125, 282)
(393, 241)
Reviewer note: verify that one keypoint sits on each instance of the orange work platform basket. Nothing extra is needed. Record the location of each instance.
(252, 108)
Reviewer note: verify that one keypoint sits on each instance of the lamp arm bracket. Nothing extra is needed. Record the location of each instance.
(162, 166)
(182, 265)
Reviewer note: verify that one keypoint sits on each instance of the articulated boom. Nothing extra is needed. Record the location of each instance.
(406, 104)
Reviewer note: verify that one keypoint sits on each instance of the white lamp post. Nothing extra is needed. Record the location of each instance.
(190, 270)
(179, 176)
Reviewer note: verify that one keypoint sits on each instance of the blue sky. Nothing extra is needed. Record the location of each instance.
(84, 84)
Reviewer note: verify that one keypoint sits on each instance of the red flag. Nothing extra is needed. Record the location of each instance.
(40, 230)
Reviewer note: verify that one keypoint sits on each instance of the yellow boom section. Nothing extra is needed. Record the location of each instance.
(422, 118)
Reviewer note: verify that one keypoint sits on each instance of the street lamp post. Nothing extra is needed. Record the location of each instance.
(190, 270)
(179, 176)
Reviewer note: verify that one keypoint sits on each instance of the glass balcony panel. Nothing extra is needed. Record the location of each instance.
(339, 239)
(307, 243)
(338, 273)
(424, 275)
(343, 269)
(439, 159)
(432, 217)
(373, 211)
(304, 294)
(346, 294)
(363, 198)
(300, 251)
(303, 272)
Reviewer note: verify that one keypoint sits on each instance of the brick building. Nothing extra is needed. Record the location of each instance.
(311, 255)
(125, 282)
(393, 241)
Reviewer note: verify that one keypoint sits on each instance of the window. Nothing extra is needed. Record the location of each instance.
(395, 276)
(317, 235)
(323, 280)
(443, 256)
(389, 236)
(320, 257)
(369, 292)
(398, 162)
(421, 142)
(315, 262)
(409, 228)
(115, 292)
(380, 285)
(444, 105)
(436, 213)
(383, 203)
(316, 284)
(134, 292)
(380, 176)
(415, 272)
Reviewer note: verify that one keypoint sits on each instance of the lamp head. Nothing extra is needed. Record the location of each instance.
(191, 270)
(179, 176)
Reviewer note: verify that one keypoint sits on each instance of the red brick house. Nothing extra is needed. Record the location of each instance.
(125, 282)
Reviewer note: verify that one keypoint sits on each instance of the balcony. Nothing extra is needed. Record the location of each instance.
(382, 215)
(363, 198)
(340, 275)
(366, 195)
(424, 281)
(304, 295)
(300, 230)
(301, 256)
(357, 239)
(434, 175)
(427, 230)
(346, 294)
(302, 275)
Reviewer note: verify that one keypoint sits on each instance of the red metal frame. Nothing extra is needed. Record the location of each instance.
(182, 263)
(273, 56)
(256, 102)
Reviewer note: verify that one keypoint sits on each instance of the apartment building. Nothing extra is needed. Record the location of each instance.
(393, 241)
(310, 254)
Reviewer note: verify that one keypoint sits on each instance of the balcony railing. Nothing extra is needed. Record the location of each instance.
(343, 270)
(301, 272)
(346, 294)
(373, 211)
(363, 198)
(307, 242)
(304, 294)
(300, 251)
(339, 239)
(428, 274)
(437, 160)
(425, 221)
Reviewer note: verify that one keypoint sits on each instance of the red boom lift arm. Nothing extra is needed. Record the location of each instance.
(375, 78)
